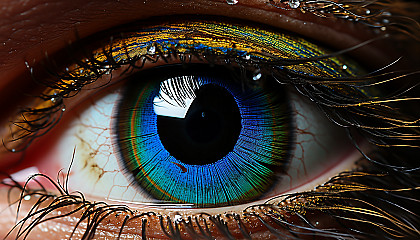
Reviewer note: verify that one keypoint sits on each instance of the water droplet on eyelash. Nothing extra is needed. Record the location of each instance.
(257, 76)
(247, 57)
(383, 28)
(344, 67)
(151, 50)
(232, 2)
(13, 150)
(385, 21)
(53, 100)
(107, 70)
(294, 3)
(367, 12)
(63, 109)
(177, 218)
(27, 197)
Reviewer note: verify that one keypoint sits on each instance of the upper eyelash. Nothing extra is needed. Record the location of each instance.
(338, 96)
(34, 122)
(381, 15)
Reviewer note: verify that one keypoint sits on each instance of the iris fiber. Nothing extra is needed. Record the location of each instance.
(243, 174)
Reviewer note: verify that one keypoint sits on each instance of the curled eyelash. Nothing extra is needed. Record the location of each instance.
(346, 203)
(388, 16)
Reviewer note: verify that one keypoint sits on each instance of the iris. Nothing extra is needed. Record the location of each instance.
(203, 137)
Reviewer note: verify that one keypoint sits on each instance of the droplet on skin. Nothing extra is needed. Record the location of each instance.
(257, 76)
(232, 2)
(294, 3)
(151, 50)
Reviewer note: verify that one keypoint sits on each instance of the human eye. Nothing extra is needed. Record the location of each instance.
(378, 194)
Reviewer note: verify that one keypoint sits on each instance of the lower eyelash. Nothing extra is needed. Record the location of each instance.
(346, 200)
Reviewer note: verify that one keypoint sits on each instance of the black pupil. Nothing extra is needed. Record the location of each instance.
(209, 130)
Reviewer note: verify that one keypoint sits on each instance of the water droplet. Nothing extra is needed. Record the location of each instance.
(63, 109)
(151, 50)
(232, 2)
(53, 100)
(294, 3)
(383, 28)
(177, 218)
(344, 67)
(367, 12)
(203, 114)
(247, 57)
(13, 150)
(27, 197)
(257, 76)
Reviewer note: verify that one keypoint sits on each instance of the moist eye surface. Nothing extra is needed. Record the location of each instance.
(202, 138)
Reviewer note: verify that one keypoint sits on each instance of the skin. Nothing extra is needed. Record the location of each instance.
(31, 28)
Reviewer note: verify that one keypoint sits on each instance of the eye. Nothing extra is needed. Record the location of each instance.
(247, 77)
(238, 140)
(111, 153)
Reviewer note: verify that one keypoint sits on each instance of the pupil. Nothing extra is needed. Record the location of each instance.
(209, 130)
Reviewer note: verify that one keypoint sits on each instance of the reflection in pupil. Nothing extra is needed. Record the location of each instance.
(208, 131)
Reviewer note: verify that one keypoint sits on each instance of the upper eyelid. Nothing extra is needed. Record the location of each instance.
(86, 23)
(92, 66)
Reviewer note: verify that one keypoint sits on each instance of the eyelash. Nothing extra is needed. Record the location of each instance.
(309, 86)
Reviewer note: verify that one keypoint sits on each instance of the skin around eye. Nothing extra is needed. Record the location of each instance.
(15, 55)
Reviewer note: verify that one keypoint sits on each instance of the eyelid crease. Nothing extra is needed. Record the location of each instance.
(209, 41)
